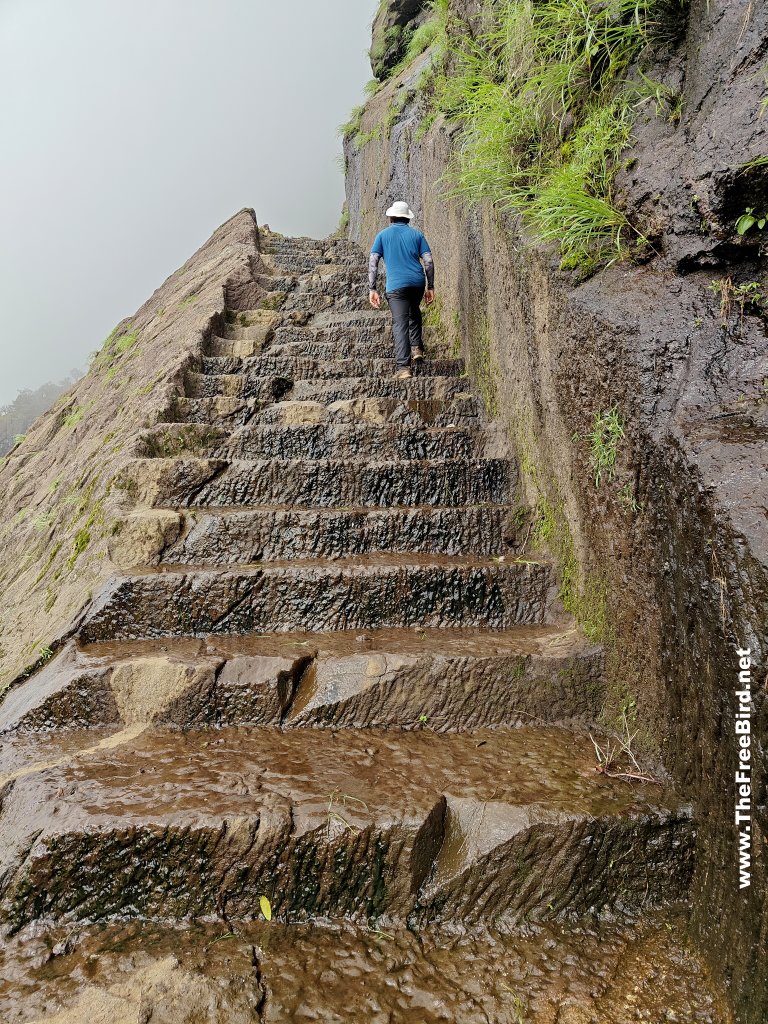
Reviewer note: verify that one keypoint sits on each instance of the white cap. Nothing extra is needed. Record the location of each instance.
(400, 209)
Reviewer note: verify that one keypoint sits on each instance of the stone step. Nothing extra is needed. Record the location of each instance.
(371, 592)
(354, 440)
(444, 680)
(463, 411)
(249, 324)
(309, 433)
(377, 332)
(221, 411)
(307, 262)
(232, 412)
(320, 483)
(380, 347)
(272, 364)
(233, 348)
(346, 388)
(611, 972)
(276, 282)
(326, 390)
(497, 826)
(329, 246)
(309, 303)
(235, 537)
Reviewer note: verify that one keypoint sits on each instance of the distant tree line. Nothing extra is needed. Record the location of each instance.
(18, 417)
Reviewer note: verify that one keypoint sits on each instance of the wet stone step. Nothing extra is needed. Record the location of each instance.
(319, 483)
(243, 537)
(305, 263)
(276, 282)
(309, 303)
(269, 364)
(611, 973)
(327, 440)
(419, 388)
(443, 680)
(463, 412)
(230, 413)
(224, 412)
(232, 348)
(379, 347)
(375, 592)
(500, 826)
(309, 432)
(236, 385)
(341, 337)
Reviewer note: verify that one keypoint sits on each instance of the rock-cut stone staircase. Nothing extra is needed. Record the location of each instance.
(336, 686)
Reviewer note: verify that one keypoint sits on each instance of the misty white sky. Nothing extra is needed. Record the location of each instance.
(130, 131)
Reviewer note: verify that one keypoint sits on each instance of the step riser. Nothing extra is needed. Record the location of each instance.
(298, 368)
(232, 348)
(264, 389)
(327, 484)
(447, 693)
(379, 348)
(320, 442)
(221, 412)
(565, 869)
(376, 333)
(296, 263)
(443, 693)
(307, 441)
(418, 388)
(198, 871)
(292, 599)
(347, 866)
(339, 300)
(200, 385)
(230, 413)
(242, 538)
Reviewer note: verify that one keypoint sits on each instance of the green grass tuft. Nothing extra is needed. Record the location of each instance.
(604, 440)
(546, 109)
(351, 127)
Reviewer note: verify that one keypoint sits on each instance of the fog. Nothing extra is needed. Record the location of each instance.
(131, 131)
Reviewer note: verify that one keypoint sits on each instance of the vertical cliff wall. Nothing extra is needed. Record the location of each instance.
(668, 561)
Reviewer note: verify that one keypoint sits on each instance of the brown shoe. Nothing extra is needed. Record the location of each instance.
(404, 374)
(417, 355)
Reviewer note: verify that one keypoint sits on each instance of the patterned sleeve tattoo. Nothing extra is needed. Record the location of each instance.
(429, 267)
(373, 270)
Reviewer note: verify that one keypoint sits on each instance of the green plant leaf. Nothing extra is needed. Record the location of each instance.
(266, 907)
(745, 222)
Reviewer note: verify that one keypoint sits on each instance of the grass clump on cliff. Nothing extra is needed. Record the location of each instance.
(604, 440)
(434, 30)
(546, 109)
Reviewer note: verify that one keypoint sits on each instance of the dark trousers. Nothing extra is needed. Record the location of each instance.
(406, 322)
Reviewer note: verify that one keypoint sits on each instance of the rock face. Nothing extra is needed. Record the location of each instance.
(319, 675)
(60, 488)
(678, 545)
(393, 26)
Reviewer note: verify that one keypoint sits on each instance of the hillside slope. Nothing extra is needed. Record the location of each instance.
(63, 491)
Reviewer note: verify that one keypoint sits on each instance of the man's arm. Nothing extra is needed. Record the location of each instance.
(373, 270)
(429, 269)
(377, 251)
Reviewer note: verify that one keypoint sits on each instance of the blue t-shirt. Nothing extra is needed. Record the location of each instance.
(401, 246)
